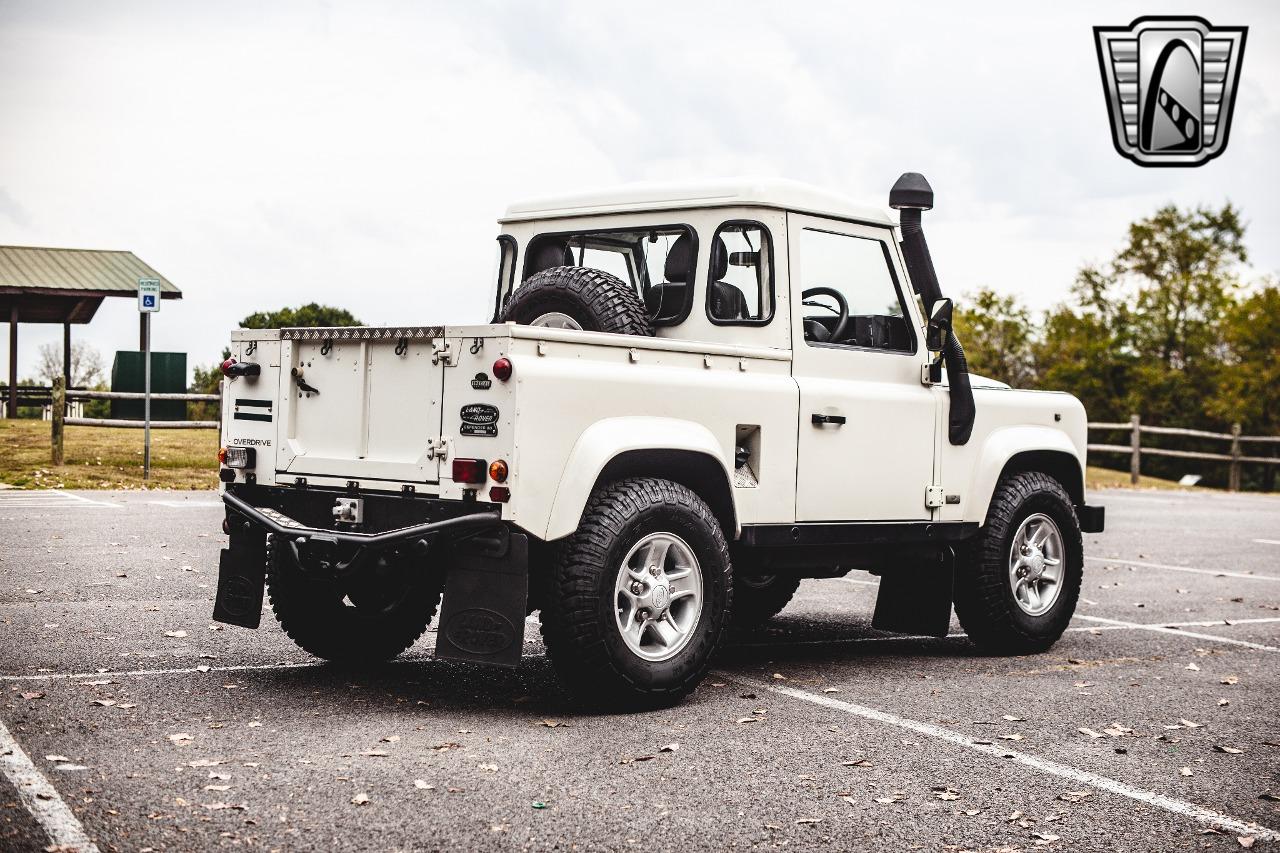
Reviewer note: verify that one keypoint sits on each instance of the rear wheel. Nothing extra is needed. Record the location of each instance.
(1017, 583)
(578, 298)
(370, 618)
(758, 598)
(639, 595)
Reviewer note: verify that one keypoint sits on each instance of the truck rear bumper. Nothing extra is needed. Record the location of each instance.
(289, 529)
(1092, 518)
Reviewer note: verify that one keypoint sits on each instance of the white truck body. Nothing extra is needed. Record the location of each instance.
(726, 441)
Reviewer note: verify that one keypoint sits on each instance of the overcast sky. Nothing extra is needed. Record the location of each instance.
(357, 154)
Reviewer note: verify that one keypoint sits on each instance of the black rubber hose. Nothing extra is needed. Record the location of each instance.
(925, 279)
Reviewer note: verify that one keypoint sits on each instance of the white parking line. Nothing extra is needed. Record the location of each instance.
(49, 498)
(1166, 629)
(1181, 807)
(859, 581)
(1267, 541)
(187, 504)
(1215, 573)
(41, 799)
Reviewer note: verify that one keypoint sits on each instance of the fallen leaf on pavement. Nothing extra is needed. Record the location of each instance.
(551, 724)
(1193, 667)
(1073, 796)
(945, 794)
(1230, 750)
(1191, 725)
(178, 634)
(180, 737)
(779, 676)
(217, 787)
(1245, 841)
(748, 720)
(33, 694)
(360, 799)
(204, 762)
(671, 747)
(1185, 771)
(1011, 737)
(220, 806)
(423, 785)
(107, 703)
(1011, 718)
(391, 739)
(1222, 703)
(1089, 732)
(492, 768)
(56, 758)
(804, 820)
(831, 690)
(1230, 679)
(1271, 798)
(375, 753)
(895, 797)
(860, 762)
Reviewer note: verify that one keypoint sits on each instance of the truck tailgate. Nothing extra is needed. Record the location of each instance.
(360, 403)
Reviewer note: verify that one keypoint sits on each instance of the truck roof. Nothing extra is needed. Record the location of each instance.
(727, 192)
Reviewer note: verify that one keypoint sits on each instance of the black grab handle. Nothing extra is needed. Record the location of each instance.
(819, 420)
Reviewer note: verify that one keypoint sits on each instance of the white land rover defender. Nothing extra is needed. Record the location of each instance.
(689, 399)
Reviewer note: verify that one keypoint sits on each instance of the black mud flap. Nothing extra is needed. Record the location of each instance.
(915, 598)
(241, 575)
(482, 617)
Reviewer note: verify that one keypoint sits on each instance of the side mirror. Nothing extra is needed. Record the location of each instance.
(939, 325)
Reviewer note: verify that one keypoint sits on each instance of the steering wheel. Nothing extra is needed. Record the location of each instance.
(841, 310)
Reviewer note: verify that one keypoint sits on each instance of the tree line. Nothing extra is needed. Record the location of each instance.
(1166, 329)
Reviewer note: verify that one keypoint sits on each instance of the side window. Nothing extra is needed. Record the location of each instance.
(851, 294)
(740, 275)
(658, 261)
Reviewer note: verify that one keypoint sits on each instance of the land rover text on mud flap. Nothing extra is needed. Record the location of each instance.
(689, 399)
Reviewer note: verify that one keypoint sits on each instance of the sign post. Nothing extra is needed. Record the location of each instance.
(148, 304)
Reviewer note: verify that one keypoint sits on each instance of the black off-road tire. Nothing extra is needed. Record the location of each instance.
(579, 616)
(984, 599)
(314, 614)
(757, 599)
(597, 301)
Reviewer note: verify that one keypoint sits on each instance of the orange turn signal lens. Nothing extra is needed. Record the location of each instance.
(498, 471)
(222, 456)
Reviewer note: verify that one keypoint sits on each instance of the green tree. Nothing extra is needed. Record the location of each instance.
(1145, 333)
(308, 315)
(999, 337)
(206, 380)
(1248, 390)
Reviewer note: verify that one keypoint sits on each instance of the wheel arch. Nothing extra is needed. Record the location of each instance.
(1025, 448)
(681, 451)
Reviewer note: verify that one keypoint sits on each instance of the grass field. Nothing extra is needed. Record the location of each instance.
(99, 458)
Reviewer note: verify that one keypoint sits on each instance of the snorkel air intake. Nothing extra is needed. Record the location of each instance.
(910, 195)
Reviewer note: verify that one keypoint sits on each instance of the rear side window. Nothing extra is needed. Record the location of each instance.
(740, 275)
(657, 261)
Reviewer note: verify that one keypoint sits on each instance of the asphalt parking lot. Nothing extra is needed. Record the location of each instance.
(133, 721)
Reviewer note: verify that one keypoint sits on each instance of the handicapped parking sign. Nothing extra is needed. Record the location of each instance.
(148, 294)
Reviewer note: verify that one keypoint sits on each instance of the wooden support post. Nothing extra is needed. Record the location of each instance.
(1233, 477)
(13, 362)
(1135, 444)
(59, 414)
(66, 356)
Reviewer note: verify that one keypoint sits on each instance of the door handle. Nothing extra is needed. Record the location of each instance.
(819, 420)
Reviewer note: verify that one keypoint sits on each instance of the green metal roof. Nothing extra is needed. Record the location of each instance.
(83, 271)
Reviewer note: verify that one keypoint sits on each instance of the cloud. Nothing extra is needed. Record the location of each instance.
(359, 153)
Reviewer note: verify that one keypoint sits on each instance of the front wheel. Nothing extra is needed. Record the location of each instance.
(1018, 581)
(639, 596)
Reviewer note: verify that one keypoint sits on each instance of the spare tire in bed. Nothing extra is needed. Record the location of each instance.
(578, 298)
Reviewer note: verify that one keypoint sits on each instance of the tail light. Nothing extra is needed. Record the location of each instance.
(232, 368)
(240, 457)
(470, 471)
(502, 368)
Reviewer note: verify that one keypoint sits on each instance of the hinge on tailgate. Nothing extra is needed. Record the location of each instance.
(438, 448)
(441, 353)
(933, 496)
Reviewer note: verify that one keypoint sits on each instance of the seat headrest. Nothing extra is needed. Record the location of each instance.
(681, 254)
